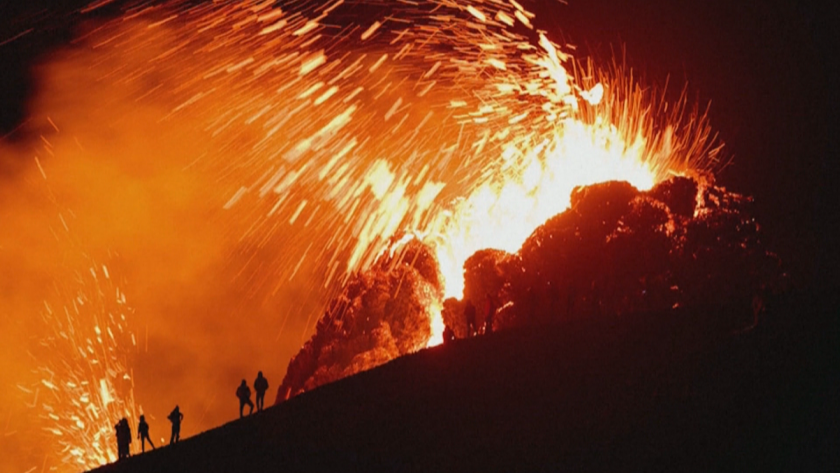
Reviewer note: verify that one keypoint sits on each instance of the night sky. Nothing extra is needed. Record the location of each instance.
(768, 69)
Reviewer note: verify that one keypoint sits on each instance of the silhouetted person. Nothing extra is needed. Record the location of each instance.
(127, 433)
(469, 315)
(448, 334)
(143, 433)
(123, 438)
(260, 386)
(489, 313)
(175, 417)
(118, 430)
(118, 433)
(243, 392)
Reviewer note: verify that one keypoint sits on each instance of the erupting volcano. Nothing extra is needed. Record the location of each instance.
(615, 251)
(393, 162)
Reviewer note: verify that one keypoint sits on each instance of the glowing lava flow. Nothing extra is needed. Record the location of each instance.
(337, 124)
(502, 213)
(581, 149)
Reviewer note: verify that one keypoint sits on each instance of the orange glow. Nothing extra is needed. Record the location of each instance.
(87, 384)
(246, 159)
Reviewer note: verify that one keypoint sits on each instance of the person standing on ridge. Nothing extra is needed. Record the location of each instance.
(175, 417)
(127, 437)
(243, 392)
(118, 432)
(143, 434)
(260, 386)
(123, 438)
(118, 429)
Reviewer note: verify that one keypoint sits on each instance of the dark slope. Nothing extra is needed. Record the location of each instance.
(658, 392)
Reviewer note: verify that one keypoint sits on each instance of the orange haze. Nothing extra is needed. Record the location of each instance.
(230, 162)
(131, 187)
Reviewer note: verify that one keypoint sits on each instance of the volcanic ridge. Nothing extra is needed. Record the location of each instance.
(662, 391)
(635, 330)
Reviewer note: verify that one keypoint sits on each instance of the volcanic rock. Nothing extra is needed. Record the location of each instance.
(652, 392)
(616, 250)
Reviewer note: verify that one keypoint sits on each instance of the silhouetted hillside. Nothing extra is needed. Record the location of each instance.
(659, 392)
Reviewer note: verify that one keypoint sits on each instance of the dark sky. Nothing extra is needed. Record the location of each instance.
(769, 71)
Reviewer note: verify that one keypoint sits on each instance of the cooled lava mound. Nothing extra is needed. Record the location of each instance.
(685, 243)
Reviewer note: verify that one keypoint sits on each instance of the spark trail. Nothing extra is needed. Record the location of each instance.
(85, 360)
(86, 384)
(345, 122)
(340, 124)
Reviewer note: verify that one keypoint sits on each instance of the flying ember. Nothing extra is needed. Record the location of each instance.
(350, 121)
(353, 131)
(87, 384)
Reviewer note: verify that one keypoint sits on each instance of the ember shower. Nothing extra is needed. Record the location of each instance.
(335, 127)
(350, 121)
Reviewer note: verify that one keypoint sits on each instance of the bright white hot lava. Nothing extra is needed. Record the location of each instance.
(334, 125)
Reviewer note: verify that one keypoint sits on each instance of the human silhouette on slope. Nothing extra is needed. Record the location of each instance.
(123, 438)
(175, 417)
(243, 392)
(260, 386)
(143, 433)
(119, 433)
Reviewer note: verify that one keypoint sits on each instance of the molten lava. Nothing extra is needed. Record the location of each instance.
(616, 250)
(389, 147)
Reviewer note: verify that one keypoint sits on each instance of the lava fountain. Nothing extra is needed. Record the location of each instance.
(459, 126)
(351, 121)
